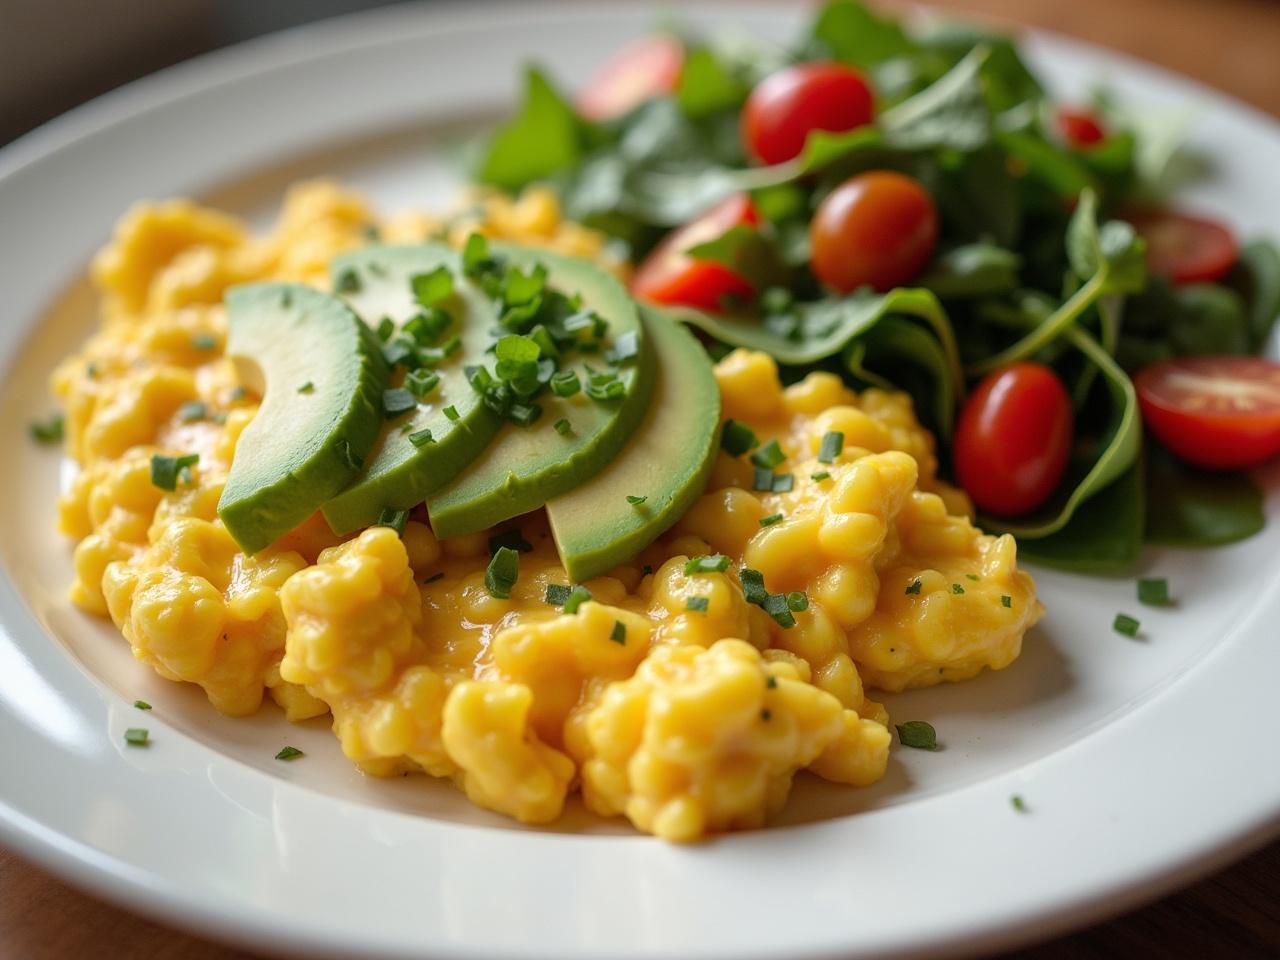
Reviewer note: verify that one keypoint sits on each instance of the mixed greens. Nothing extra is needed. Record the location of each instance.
(1036, 255)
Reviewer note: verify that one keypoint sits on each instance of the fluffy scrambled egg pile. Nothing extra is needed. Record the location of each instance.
(685, 721)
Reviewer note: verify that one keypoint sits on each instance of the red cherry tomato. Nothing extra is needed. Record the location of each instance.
(1013, 439)
(638, 72)
(1185, 249)
(787, 106)
(1217, 412)
(876, 229)
(1080, 128)
(668, 275)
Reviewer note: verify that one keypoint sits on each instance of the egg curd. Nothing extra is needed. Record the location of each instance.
(687, 721)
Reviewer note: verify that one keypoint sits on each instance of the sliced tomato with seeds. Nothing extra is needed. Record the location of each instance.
(1185, 249)
(670, 276)
(1217, 412)
(1080, 128)
(638, 72)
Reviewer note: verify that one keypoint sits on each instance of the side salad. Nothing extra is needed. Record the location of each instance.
(912, 208)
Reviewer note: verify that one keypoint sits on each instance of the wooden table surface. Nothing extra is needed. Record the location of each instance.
(1231, 44)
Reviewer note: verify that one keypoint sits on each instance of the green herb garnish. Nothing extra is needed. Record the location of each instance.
(565, 383)
(397, 401)
(289, 753)
(753, 586)
(395, 519)
(714, 564)
(737, 438)
(821, 475)
(51, 431)
(204, 341)
(1153, 591)
(557, 594)
(429, 289)
(1126, 625)
(451, 413)
(917, 734)
(348, 281)
(420, 383)
(634, 500)
(501, 574)
(776, 606)
(831, 447)
(697, 604)
(166, 470)
(956, 588)
(577, 597)
(1006, 601)
(142, 705)
(1018, 803)
(768, 456)
(563, 427)
(914, 586)
(137, 737)
(797, 601)
(192, 411)
(770, 520)
(512, 539)
(619, 632)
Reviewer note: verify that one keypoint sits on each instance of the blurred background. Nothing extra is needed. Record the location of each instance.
(55, 54)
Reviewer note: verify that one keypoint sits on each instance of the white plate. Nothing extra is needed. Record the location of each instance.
(1143, 762)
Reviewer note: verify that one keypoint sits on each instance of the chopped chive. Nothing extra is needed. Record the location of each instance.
(917, 734)
(289, 753)
(771, 682)
(753, 585)
(1153, 591)
(434, 577)
(91, 370)
(646, 570)
(565, 383)
(557, 594)
(619, 632)
(563, 427)
(718, 563)
(770, 520)
(421, 382)
(524, 414)
(192, 411)
(625, 348)
(783, 482)
(237, 394)
(386, 327)
(1126, 625)
(142, 705)
(821, 475)
(395, 519)
(776, 606)
(797, 601)
(577, 597)
(831, 446)
(420, 438)
(1018, 803)
(1006, 601)
(972, 576)
(451, 412)
(51, 431)
(768, 456)
(137, 737)
(956, 588)
(475, 255)
(766, 715)
(737, 438)
(431, 288)
(762, 480)
(512, 539)
(166, 470)
(634, 500)
(204, 341)
(307, 387)
(348, 281)
(697, 604)
(914, 586)
(501, 574)
(396, 402)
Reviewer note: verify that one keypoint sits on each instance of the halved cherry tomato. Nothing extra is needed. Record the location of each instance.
(1080, 128)
(638, 72)
(1218, 412)
(1013, 439)
(1185, 249)
(876, 229)
(787, 106)
(668, 275)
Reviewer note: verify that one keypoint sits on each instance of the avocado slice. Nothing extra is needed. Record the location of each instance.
(377, 283)
(667, 461)
(321, 375)
(525, 467)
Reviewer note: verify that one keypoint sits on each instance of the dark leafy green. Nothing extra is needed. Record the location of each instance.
(1189, 507)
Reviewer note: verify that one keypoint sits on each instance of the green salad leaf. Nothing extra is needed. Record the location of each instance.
(972, 270)
(1104, 535)
(545, 137)
(707, 85)
(1189, 507)
(851, 33)
(1256, 278)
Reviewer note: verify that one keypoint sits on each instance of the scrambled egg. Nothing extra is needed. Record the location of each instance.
(685, 721)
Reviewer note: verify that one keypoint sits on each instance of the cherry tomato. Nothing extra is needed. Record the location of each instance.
(1218, 412)
(638, 72)
(876, 229)
(787, 106)
(1080, 128)
(1013, 439)
(1185, 249)
(668, 275)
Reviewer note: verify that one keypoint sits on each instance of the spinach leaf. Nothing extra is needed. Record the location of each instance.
(1104, 535)
(972, 270)
(1007, 80)
(1189, 507)
(1095, 466)
(1047, 164)
(746, 251)
(544, 138)
(1256, 277)
(1195, 319)
(897, 354)
(707, 85)
(848, 31)
(951, 113)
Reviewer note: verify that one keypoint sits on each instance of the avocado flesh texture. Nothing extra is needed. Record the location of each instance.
(525, 467)
(302, 447)
(667, 460)
(398, 475)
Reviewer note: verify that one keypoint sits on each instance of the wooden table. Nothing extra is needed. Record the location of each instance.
(1230, 44)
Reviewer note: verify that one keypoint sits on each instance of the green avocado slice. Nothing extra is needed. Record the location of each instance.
(525, 467)
(667, 461)
(321, 375)
(377, 283)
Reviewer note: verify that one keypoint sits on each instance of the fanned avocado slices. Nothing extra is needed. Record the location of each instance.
(658, 475)
(321, 374)
(575, 437)
(448, 425)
